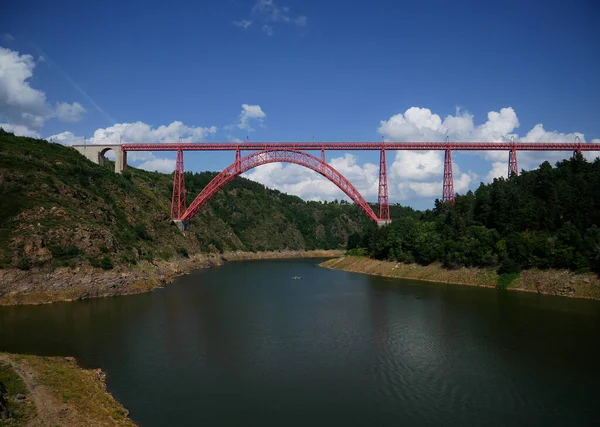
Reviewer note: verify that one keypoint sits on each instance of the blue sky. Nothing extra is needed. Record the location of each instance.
(329, 70)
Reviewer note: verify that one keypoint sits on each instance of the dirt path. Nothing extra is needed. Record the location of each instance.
(64, 394)
(48, 412)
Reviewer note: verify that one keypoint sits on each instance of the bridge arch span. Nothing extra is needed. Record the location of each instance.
(243, 164)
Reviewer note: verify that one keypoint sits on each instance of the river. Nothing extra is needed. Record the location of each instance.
(246, 344)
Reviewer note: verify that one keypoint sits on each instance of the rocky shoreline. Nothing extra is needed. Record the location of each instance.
(19, 287)
(548, 282)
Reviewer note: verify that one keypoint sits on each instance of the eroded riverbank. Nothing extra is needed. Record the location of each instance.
(49, 391)
(19, 287)
(550, 282)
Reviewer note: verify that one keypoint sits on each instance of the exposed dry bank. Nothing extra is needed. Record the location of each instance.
(552, 282)
(55, 391)
(84, 281)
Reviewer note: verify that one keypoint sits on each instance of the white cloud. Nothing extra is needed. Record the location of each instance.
(140, 132)
(415, 175)
(416, 124)
(433, 189)
(271, 12)
(159, 165)
(244, 23)
(20, 104)
(19, 130)
(499, 169)
(305, 183)
(420, 124)
(295, 179)
(268, 13)
(417, 165)
(69, 112)
(23, 108)
(66, 138)
(267, 29)
(250, 112)
(364, 178)
(309, 185)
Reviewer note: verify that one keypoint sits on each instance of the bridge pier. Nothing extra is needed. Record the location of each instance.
(178, 204)
(382, 222)
(383, 199)
(182, 224)
(512, 163)
(448, 190)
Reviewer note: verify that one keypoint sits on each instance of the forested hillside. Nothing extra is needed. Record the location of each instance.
(544, 218)
(57, 208)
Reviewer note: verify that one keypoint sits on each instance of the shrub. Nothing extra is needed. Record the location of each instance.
(148, 256)
(141, 232)
(358, 252)
(128, 258)
(508, 266)
(504, 280)
(24, 263)
(106, 263)
(183, 252)
(64, 256)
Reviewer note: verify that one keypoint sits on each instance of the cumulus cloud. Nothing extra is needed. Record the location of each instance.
(69, 112)
(420, 124)
(417, 175)
(417, 165)
(250, 112)
(24, 109)
(66, 138)
(140, 132)
(19, 130)
(499, 169)
(310, 185)
(158, 165)
(20, 104)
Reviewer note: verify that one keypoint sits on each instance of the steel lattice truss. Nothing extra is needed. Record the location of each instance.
(289, 152)
(178, 199)
(448, 184)
(243, 164)
(349, 146)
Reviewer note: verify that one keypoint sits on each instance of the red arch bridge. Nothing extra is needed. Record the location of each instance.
(295, 152)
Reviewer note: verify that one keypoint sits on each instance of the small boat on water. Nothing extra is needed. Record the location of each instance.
(296, 277)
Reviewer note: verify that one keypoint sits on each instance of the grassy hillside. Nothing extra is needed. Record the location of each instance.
(59, 209)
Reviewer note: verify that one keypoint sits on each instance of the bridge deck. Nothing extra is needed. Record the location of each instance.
(351, 146)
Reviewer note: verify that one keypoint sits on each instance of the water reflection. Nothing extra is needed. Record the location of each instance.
(247, 345)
